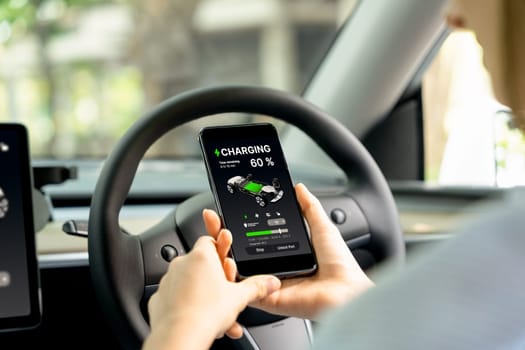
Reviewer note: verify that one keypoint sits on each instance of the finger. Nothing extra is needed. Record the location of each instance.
(257, 287)
(212, 222)
(224, 242)
(312, 209)
(326, 237)
(206, 244)
(235, 331)
(230, 269)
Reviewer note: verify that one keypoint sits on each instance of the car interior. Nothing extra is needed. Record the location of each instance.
(113, 93)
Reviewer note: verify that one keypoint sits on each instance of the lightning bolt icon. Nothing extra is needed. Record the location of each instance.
(217, 153)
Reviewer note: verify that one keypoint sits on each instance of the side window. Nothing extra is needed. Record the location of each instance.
(469, 136)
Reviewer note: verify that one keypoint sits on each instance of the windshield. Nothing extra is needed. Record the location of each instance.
(78, 73)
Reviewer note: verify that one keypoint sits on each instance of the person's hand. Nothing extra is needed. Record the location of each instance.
(223, 238)
(196, 300)
(338, 279)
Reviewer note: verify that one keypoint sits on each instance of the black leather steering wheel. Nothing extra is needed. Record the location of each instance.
(125, 267)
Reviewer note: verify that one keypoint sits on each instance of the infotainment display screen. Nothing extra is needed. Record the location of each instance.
(19, 276)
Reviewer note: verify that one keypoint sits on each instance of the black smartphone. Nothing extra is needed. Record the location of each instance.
(256, 200)
(20, 306)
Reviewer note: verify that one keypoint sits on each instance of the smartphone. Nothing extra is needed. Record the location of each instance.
(20, 306)
(256, 200)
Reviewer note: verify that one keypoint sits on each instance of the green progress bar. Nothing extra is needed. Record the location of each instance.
(267, 232)
(259, 233)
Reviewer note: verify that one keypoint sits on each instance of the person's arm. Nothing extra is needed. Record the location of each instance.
(196, 303)
(467, 292)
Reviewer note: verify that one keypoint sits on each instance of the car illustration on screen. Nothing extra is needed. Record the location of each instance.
(262, 192)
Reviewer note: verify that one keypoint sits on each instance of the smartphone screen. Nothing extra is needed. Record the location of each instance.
(256, 200)
(19, 281)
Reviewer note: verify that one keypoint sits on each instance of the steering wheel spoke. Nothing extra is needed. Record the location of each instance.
(160, 244)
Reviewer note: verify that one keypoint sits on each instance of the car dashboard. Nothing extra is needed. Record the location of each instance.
(70, 307)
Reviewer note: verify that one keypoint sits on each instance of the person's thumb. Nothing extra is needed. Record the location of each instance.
(258, 287)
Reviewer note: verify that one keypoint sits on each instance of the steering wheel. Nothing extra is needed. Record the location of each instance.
(126, 268)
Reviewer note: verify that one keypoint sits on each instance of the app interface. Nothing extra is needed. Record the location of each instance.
(14, 281)
(256, 196)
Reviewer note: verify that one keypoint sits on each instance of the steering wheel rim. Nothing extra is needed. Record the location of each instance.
(117, 261)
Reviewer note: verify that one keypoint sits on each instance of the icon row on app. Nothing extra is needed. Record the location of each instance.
(259, 215)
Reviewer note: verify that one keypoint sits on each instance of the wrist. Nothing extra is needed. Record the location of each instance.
(179, 334)
(341, 293)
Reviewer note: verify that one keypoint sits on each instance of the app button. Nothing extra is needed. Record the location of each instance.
(276, 222)
(272, 248)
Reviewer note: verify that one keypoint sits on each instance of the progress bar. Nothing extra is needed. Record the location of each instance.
(266, 232)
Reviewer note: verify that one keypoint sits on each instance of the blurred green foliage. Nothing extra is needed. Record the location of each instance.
(25, 16)
(74, 109)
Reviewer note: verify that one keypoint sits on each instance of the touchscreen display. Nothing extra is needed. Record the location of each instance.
(256, 196)
(19, 303)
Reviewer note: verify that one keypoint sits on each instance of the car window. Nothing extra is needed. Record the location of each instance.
(469, 137)
(79, 72)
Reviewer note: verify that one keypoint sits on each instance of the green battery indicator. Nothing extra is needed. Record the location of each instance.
(266, 232)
